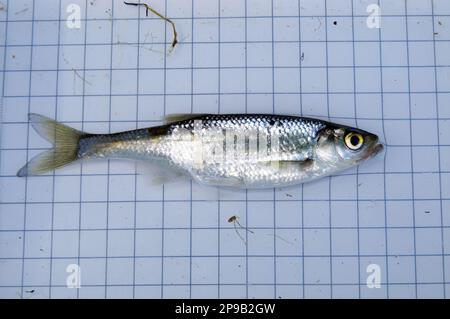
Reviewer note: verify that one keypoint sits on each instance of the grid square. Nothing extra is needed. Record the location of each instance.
(206, 30)
(289, 270)
(420, 27)
(204, 242)
(285, 29)
(119, 271)
(339, 28)
(372, 241)
(398, 186)
(401, 241)
(316, 242)
(176, 270)
(120, 243)
(393, 28)
(422, 79)
(65, 244)
(232, 270)
(288, 242)
(66, 216)
(286, 54)
(345, 270)
(314, 54)
(260, 270)
(429, 269)
(394, 54)
(401, 269)
(317, 270)
(148, 242)
(312, 28)
(340, 54)
(176, 242)
(87, 237)
(429, 241)
(344, 242)
(204, 270)
(314, 80)
(340, 80)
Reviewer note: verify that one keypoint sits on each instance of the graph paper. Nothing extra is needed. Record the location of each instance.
(102, 66)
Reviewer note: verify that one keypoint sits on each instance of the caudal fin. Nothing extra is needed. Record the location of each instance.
(65, 146)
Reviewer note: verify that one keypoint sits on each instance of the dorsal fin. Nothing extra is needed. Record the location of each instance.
(177, 117)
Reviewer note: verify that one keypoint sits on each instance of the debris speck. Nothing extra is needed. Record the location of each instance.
(80, 77)
(427, 212)
(21, 11)
(335, 22)
(289, 195)
(31, 291)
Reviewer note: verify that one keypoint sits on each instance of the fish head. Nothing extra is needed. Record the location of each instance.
(342, 146)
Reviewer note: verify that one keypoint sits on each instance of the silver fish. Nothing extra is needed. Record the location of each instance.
(231, 150)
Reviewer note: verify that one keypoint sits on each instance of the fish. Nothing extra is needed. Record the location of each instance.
(246, 151)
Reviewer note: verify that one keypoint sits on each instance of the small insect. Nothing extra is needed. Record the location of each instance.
(227, 150)
(234, 219)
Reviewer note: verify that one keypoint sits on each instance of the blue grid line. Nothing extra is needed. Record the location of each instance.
(411, 149)
(135, 167)
(439, 155)
(246, 111)
(190, 182)
(3, 81)
(301, 113)
(357, 169)
(26, 178)
(231, 256)
(229, 42)
(236, 200)
(219, 216)
(274, 195)
(239, 17)
(82, 129)
(95, 229)
(328, 115)
(109, 162)
(385, 157)
(163, 208)
(234, 284)
(53, 173)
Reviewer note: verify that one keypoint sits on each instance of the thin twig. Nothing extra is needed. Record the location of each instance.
(147, 8)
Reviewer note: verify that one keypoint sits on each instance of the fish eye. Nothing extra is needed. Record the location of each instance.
(354, 141)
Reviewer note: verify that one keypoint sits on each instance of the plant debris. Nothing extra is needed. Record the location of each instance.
(147, 8)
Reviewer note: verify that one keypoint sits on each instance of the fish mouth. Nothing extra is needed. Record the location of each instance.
(373, 151)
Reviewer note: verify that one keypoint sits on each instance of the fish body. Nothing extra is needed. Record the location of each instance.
(231, 150)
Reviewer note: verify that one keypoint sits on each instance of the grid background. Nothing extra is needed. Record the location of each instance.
(136, 239)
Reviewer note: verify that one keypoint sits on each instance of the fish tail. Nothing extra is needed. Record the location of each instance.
(65, 142)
